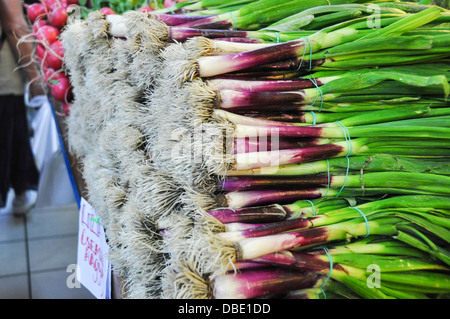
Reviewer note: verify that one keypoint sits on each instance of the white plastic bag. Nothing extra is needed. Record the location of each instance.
(55, 187)
(45, 141)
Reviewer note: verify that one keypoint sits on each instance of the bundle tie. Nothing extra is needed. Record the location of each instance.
(234, 21)
(331, 267)
(305, 39)
(312, 205)
(323, 292)
(319, 92)
(314, 117)
(346, 136)
(278, 36)
(349, 152)
(328, 173)
(365, 219)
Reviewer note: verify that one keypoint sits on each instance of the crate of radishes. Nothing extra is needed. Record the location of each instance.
(49, 18)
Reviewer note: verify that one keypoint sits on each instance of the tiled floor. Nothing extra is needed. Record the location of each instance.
(35, 253)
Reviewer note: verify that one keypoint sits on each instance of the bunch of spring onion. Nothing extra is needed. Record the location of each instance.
(313, 18)
(318, 17)
(367, 87)
(274, 149)
(371, 268)
(177, 27)
(408, 234)
(253, 15)
(415, 98)
(426, 81)
(364, 86)
(246, 190)
(158, 33)
(422, 45)
(258, 14)
(340, 33)
(406, 104)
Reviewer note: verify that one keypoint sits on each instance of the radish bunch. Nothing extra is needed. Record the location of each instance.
(48, 18)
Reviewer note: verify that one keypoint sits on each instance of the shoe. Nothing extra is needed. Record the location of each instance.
(24, 202)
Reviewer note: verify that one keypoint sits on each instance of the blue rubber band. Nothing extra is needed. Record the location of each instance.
(319, 92)
(234, 21)
(314, 117)
(329, 179)
(365, 219)
(331, 265)
(310, 54)
(323, 292)
(312, 205)
(305, 39)
(349, 152)
(278, 37)
(346, 175)
(347, 137)
(303, 56)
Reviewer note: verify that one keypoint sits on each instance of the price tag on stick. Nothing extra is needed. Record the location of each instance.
(94, 269)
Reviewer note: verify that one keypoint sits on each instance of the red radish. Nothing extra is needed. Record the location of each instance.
(35, 11)
(58, 17)
(76, 2)
(55, 54)
(107, 11)
(47, 34)
(40, 51)
(146, 8)
(61, 89)
(51, 76)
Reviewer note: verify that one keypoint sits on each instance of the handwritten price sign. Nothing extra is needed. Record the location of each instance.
(93, 265)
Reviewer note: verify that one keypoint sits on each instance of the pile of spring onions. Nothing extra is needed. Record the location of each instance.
(294, 150)
(344, 112)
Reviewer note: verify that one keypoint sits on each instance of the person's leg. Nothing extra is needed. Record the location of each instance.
(6, 142)
(24, 174)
